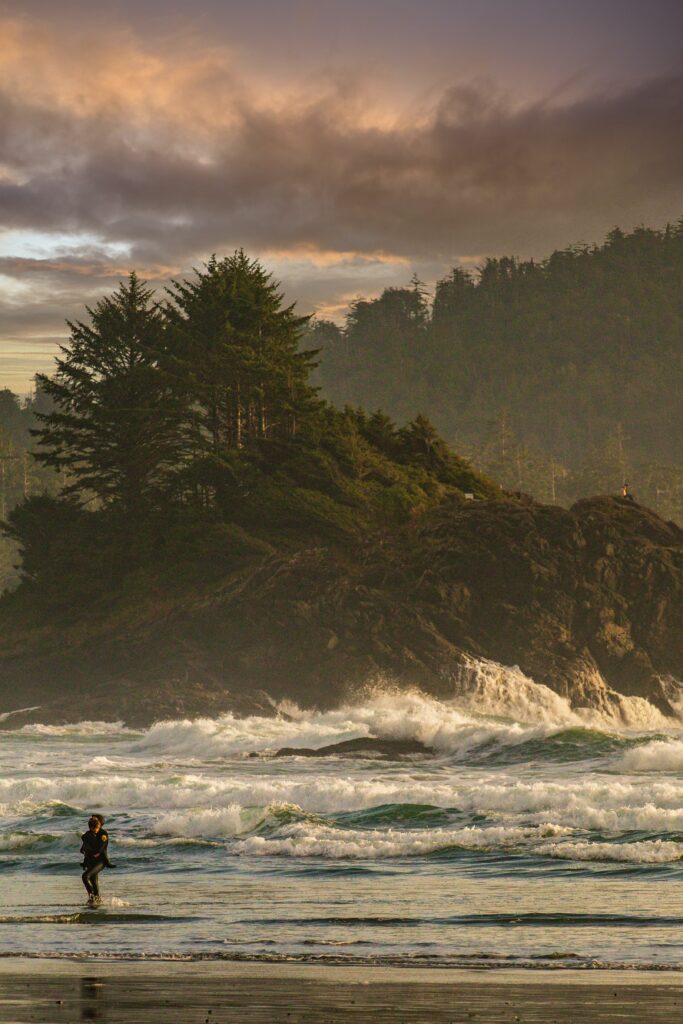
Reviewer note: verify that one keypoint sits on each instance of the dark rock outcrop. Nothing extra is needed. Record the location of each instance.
(588, 601)
(370, 746)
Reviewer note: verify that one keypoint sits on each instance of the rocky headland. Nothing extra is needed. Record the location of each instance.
(588, 601)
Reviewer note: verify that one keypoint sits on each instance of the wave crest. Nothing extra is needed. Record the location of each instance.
(655, 756)
(492, 705)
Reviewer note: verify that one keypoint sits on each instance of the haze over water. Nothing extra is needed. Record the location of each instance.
(533, 836)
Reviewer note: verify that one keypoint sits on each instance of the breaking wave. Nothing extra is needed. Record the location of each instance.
(655, 756)
(515, 787)
(306, 840)
(10, 841)
(192, 805)
(496, 708)
(655, 851)
(75, 729)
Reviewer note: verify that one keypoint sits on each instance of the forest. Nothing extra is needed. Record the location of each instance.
(198, 427)
(179, 437)
(20, 473)
(561, 378)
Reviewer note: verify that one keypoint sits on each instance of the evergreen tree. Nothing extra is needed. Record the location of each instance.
(423, 445)
(381, 432)
(331, 342)
(12, 420)
(233, 348)
(115, 425)
(572, 349)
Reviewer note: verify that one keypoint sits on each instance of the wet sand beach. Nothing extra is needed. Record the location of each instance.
(46, 992)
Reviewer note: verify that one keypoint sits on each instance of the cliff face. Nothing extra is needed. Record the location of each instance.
(571, 597)
(588, 601)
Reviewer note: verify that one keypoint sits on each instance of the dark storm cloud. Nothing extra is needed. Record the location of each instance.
(164, 155)
(472, 175)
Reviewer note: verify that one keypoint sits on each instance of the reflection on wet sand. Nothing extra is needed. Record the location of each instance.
(92, 1004)
(123, 995)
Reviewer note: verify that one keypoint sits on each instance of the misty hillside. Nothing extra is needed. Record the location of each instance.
(560, 378)
(199, 525)
(177, 442)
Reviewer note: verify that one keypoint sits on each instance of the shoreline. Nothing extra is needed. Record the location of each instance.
(396, 967)
(255, 993)
(607, 976)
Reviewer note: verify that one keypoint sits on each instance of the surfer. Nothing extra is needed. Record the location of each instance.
(94, 844)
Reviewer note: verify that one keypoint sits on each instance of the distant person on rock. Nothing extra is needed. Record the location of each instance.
(94, 845)
(625, 493)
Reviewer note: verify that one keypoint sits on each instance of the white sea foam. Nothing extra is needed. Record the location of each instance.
(656, 756)
(102, 761)
(224, 802)
(183, 796)
(656, 851)
(304, 839)
(151, 844)
(18, 711)
(606, 807)
(10, 841)
(88, 729)
(485, 693)
(189, 781)
(211, 822)
(489, 688)
(447, 727)
(494, 689)
(494, 705)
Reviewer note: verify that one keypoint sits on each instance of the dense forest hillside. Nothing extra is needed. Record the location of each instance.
(20, 474)
(197, 525)
(177, 439)
(561, 378)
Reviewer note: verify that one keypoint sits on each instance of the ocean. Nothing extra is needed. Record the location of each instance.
(534, 835)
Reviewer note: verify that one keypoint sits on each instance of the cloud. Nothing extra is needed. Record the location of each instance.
(173, 153)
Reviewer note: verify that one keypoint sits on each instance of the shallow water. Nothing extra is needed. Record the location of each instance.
(535, 836)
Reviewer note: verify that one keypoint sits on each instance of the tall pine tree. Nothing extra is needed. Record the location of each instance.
(115, 424)
(234, 348)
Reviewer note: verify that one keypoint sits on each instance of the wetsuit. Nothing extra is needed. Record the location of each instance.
(94, 850)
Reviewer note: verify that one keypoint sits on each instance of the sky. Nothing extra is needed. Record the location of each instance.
(345, 143)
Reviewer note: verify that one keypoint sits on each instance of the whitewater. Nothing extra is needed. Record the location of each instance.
(530, 834)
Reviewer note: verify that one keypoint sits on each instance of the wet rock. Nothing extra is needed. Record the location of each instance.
(588, 601)
(369, 745)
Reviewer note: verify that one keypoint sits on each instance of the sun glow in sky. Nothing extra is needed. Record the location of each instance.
(49, 244)
(346, 144)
